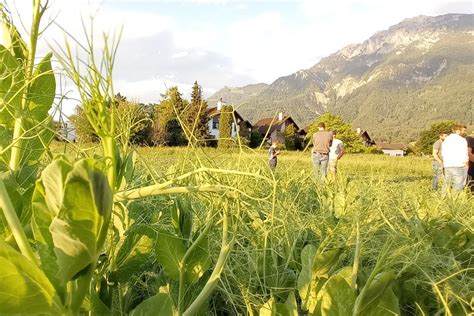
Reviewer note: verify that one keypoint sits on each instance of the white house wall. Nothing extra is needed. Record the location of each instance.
(213, 131)
(394, 152)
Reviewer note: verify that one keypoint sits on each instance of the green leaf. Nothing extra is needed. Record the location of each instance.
(11, 85)
(307, 280)
(314, 273)
(13, 41)
(160, 304)
(40, 222)
(337, 297)
(169, 252)
(42, 90)
(134, 253)
(378, 293)
(269, 308)
(388, 304)
(182, 218)
(290, 308)
(80, 227)
(198, 261)
(24, 288)
(326, 261)
(71, 212)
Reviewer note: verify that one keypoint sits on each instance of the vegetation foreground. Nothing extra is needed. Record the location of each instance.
(110, 230)
(374, 241)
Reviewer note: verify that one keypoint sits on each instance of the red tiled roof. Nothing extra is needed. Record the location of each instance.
(213, 112)
(391, 146)
(271, 123)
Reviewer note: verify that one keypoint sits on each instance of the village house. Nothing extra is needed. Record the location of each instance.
(394, 150)
(243, 127)
(366, 139)
(274, 127)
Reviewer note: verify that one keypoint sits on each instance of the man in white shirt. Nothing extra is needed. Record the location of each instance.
(455, 159)
(336, 151)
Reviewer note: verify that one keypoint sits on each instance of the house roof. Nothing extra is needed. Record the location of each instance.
(272, 123)
(213, 112)
(389, 146)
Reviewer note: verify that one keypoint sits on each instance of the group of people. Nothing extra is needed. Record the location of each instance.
(453, 159)
(327, 150)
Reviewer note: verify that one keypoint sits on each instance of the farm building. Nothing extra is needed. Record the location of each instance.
(366, 139)
(394, 150)
(274, 127)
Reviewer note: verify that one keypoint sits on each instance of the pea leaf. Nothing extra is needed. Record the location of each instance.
(198, 261)
(314, 273)
(70, 229)
(12, 82)
(24, 288)
(169, 253)
(337, 297)
(42, 90)
(378, 293)
(159, 304)
(135, 252)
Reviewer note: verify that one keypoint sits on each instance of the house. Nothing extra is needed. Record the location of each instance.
(274, 127)
(65, 131)
(394, 150)
(366, 139)
(243, 127)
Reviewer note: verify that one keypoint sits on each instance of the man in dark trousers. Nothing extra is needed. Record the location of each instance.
(322, 141)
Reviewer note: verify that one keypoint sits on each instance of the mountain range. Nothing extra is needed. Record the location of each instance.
(394, 84)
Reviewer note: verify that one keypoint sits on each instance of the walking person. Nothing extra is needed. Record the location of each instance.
(336, 151)
(322, 141)
(438, 160)
(272, 155)
(455, 159)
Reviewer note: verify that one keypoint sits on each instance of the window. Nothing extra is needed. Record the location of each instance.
(215, 125)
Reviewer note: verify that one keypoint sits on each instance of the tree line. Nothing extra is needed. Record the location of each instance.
(176, 121)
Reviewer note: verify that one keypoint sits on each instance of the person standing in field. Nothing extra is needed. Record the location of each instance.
(455, 159)
(322, 141)
(336, 151)
(438, 160)
(272, 155)
(470, 170)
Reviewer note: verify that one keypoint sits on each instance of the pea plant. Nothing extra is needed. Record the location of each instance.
(69, 245)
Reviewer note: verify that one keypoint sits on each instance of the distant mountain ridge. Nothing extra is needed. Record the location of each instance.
(393, 84)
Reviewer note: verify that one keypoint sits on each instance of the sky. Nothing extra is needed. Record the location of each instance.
(221, 42)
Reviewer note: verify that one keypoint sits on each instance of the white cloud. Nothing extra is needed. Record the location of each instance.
(257, 44)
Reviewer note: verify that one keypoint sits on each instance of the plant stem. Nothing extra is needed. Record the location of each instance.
(18, 128)
(216, 273)
(355, 265)
(15, 225)
(109, 151)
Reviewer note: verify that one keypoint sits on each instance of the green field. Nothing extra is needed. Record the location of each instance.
(108, 229)
(378, 226)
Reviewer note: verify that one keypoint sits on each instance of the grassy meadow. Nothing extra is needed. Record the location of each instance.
(378, 225)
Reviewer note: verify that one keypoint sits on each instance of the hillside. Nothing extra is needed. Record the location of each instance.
(393, 84)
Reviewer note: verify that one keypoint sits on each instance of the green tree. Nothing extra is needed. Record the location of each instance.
(82, 127)
(429, 136)
(345, 132)
(168, 115)
(225, 126)
(131, 122)
(196, 115)
(290, 137)
(255, 139)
